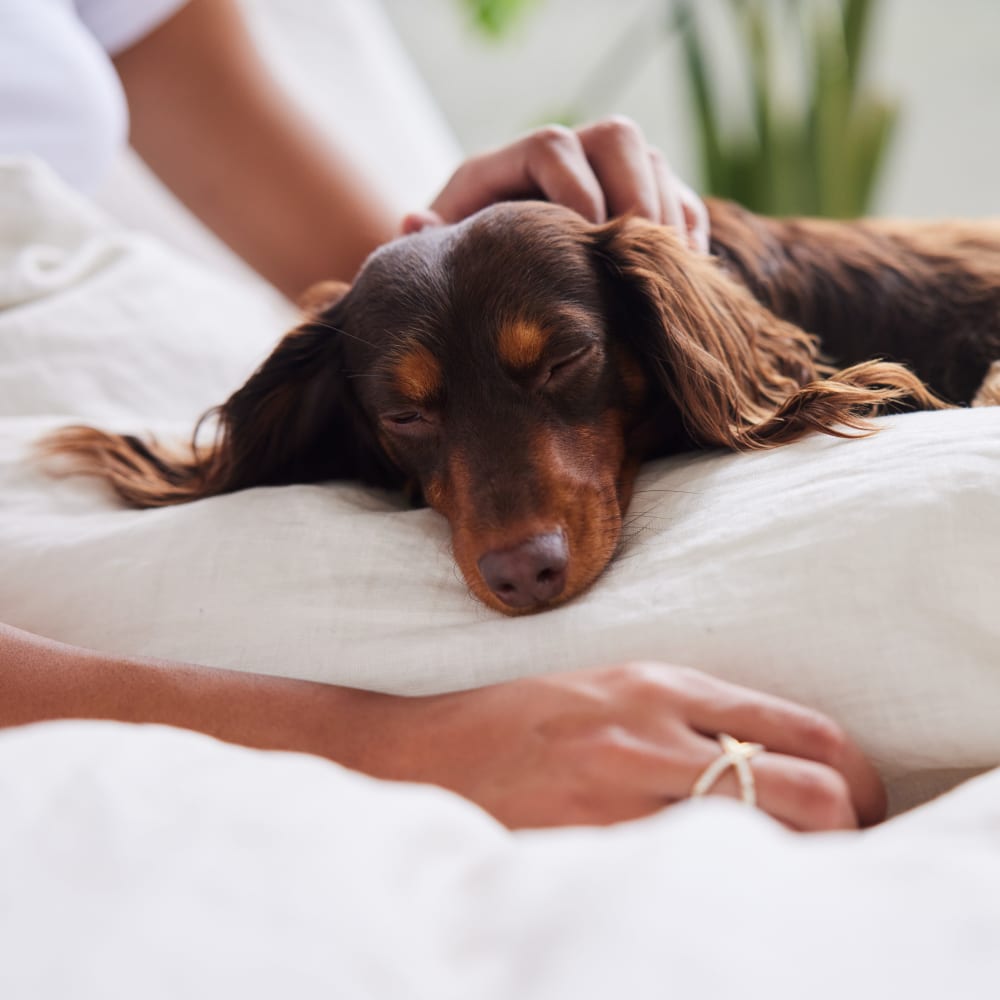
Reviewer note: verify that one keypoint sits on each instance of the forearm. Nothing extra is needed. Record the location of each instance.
(210, 120)
(41, 680)
(585, 747)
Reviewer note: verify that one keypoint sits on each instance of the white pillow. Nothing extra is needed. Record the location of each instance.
(856, 576)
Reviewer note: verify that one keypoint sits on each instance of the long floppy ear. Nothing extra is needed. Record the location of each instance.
(740, 376)
(294, 421)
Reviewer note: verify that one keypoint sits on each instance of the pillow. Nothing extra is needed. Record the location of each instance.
(88, 330)
(855, 576)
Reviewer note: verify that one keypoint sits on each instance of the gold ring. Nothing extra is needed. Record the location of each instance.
(736, 755)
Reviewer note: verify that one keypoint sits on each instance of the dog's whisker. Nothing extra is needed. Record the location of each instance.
(340, 330)
(692, 493)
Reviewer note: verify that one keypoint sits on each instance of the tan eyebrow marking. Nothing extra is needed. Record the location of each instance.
(417, 374)
(521, 343)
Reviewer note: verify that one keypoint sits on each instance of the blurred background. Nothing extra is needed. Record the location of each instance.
(833, 107)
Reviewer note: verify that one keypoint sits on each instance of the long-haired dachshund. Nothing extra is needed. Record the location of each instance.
(516, 369)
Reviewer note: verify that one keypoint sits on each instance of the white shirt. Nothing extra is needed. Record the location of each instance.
(60, 97)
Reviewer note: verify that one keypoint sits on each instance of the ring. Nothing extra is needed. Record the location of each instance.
(736, 755)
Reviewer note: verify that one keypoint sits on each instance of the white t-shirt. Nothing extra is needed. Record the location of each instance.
(60, 97)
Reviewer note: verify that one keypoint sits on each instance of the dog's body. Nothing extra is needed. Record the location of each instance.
(518, 367)
(924, 294)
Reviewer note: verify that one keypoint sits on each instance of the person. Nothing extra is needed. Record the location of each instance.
(594, 746)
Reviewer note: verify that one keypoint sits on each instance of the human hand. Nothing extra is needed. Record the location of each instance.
(600, 170)
(601, 746)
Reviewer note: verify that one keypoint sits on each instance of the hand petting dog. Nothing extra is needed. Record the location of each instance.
(601, 171)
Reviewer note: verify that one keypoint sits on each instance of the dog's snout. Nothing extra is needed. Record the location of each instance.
(530, 573)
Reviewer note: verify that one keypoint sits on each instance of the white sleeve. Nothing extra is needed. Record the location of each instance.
(116, 24)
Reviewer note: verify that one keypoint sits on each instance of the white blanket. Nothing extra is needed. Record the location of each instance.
(147, 862)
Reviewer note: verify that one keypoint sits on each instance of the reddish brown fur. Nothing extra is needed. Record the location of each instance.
(520, 344)
(417, 374)
(519, 367)
(989, 391)
(578, 493)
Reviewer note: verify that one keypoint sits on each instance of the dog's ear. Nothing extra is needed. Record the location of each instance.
(294, 421)
(740, 376)
(321, 297)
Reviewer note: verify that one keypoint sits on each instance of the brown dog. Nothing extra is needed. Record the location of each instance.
(518, 367)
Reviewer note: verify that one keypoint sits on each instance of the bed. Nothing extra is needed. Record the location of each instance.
(859, 577)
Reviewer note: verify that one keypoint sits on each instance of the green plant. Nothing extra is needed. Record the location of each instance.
(495, 17)
(819, 155)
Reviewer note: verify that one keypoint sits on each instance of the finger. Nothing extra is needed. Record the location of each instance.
(558, 166)
(549, 163)
(620, 158)
(802, 794)
(669, 191)
(787, 728)
(416, 222)
(695, 218)
(681, 206)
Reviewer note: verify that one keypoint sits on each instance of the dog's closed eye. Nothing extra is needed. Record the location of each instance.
(567, 366)
(403, 419)
(409, 422)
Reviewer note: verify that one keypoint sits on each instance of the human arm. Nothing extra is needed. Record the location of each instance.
(210, 120)
(594, 746)
(213, 124)
(41, 679)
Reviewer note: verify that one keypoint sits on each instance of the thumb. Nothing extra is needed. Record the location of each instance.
(416, 222)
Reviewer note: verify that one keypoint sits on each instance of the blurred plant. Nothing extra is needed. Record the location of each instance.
(819, 154)
(495, 17)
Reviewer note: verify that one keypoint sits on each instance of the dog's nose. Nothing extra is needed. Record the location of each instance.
(527, 574)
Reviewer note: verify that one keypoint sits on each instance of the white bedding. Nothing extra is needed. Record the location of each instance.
(147, 862)
(860, 577)
(856, 576)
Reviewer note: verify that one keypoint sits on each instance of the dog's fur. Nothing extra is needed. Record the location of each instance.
(516, 369)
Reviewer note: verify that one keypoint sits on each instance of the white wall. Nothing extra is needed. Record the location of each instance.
(941, 57)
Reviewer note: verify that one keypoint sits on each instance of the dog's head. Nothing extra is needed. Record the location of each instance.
(513, 370)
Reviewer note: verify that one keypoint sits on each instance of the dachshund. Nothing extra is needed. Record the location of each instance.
(515, 369)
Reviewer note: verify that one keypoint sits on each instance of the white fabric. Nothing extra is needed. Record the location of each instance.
(117, 24)
(60, 97)
(858, 576)
(158, 864)
(145, 862)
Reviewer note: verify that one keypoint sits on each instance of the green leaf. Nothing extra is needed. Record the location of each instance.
(872, 130)
(856, 21)
(820, 158)
(831, 109)
(714, 166)
(495, 17)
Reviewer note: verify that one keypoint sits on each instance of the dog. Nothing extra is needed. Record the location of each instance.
(514, 370)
